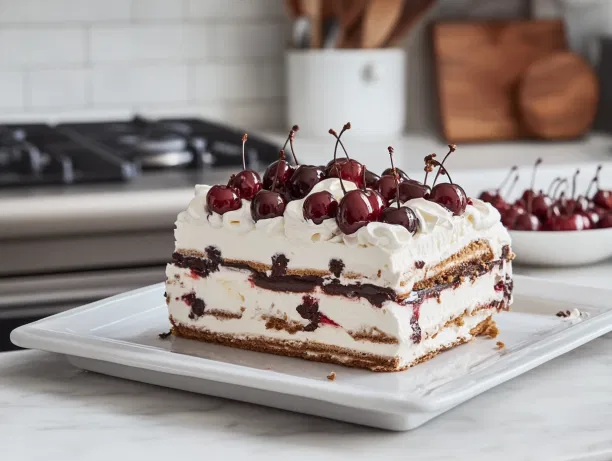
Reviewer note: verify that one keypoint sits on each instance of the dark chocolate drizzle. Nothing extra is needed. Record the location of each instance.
(279, 265)
(419, 264)
(336, 266)
(197, 305)
(309, 310)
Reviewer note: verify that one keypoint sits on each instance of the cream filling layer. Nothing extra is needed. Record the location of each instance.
(232, 291)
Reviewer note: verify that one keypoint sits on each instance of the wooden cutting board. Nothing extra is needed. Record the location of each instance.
(558, 96)
(478, 68)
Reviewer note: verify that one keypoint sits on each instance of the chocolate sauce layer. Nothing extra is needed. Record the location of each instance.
(280, 281)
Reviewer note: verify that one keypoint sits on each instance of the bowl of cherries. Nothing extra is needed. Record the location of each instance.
(559, 226)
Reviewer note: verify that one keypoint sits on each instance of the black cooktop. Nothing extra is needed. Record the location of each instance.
(70, 153)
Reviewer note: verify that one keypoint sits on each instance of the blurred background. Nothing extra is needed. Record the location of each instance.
(111, 110)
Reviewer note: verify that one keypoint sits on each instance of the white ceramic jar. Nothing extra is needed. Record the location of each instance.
(327, 88)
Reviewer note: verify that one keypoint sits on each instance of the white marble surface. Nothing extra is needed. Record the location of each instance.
(49, 410)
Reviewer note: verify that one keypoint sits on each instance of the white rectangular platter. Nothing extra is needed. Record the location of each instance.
(118, 336)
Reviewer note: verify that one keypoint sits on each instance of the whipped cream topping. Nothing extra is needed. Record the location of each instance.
(433, 218)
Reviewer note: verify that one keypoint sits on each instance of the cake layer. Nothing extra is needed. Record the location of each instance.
(380, 254)
(221, 300)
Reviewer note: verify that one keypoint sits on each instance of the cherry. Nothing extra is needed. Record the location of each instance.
(356, 210)
(413, 189)
(304, 179)
(371, 179)
(267, 204)
(348, 169)
(603, 199)
(572, 222)
(387, 187)
(280, 171)
(284, 170)
(402, 174)
(320, 206)
(526, 222)
(605, 222)
(451, 196)
(402, 216)
(511, 214)
(221, 199)
(592, 216)
(540, 205)
(247, 182)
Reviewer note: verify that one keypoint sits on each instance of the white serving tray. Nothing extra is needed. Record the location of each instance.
(118, 336)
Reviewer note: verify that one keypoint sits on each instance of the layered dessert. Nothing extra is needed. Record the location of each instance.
(335, 264)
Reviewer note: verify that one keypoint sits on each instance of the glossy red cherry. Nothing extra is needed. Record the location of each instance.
(356, 211)
(402, 174)
(494, 197)
(510, 215)
(376, 201)
(451, 196)
(320, 206)
(387, 187)
(412, 189)
(349, 170)
(572, 222)
(267, 204)
(221, 199)
(540, 205)
(247, 182)
(603, 199)
(605, 222)
(285, 171)
(371, 179)
(526, 222)
(304, 179)
(402, 216)
(593, 217)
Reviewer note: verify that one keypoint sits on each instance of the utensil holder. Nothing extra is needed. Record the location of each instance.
(327, 88)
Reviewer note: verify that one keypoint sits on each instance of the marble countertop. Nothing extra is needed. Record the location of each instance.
(50, 410)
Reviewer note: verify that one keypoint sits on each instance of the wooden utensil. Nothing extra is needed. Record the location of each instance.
(314, 10)
(413, 12)
(348, 13)
(558, 96)
(379, 19)
(478, 67)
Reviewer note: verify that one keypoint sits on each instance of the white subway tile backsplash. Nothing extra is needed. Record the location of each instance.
(250, 41)
(58, 11)
(41, 46)
(149, 42)
(158, 10)
(235, 82)
(131, 84)
(67, 88)
(11, 90)
(235, 9)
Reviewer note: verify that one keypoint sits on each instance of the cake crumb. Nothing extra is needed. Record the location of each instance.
(500, 345)
(379, 273)
(332, 376)
(165, 335)
(573, 314)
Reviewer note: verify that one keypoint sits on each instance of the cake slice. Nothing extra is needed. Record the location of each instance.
(328, 276)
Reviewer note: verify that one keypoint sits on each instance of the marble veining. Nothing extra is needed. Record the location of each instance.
(51, 410)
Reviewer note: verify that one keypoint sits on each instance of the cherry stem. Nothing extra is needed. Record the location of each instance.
(533, 174)
(595, 180)
(428, 166)
(562, 182)
(244, 139)
(507, 178)
(281, 159)
(441, 170)
(289, 140)
(395, 175)
(574, 191)
(512, 184)
(552, 185)
(451, 149)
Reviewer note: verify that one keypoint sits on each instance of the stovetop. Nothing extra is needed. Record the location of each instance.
(120, 151)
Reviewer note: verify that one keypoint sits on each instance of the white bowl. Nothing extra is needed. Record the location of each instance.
(565, 248)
